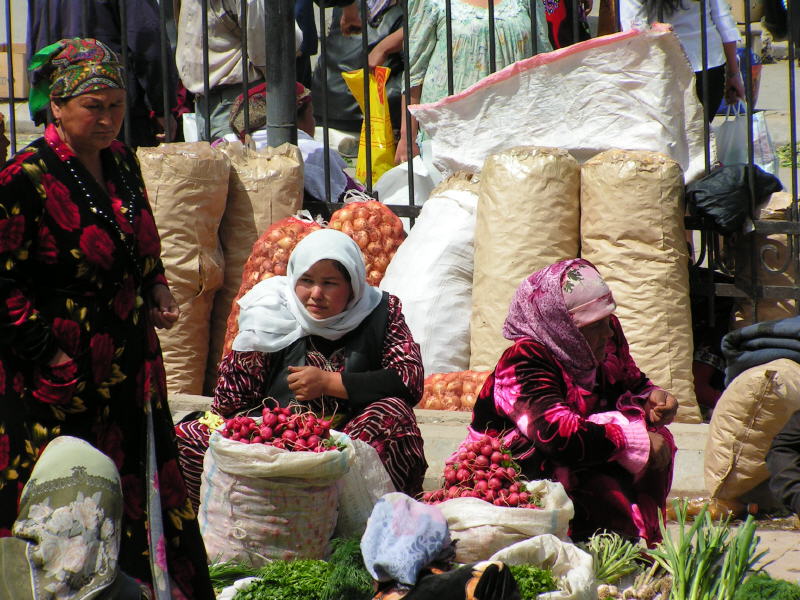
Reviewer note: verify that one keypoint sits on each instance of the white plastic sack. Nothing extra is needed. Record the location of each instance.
(731, 138)
(431, 273)
(359, 490)
(482, 529)
(258, 502)
(570, 565)
(632, 90)
(392, 187)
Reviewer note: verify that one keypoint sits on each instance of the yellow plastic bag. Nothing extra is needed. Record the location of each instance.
(382, 137)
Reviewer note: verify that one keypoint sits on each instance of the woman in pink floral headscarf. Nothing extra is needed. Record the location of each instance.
(572, 405)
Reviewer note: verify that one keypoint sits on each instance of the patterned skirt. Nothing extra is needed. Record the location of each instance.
(388, 425)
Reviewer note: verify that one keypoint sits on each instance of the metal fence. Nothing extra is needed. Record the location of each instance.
(718, 254)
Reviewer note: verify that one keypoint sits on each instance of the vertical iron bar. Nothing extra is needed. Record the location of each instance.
(748, 93)
(123, 27)
(323, 66)
(793, 118)
(245, 65)
(534, 5)
(617, 20)
(47, 40)
(492, 45)
(281, 69)
(12, 117)
(84, 18)
(367, 112)
(448, 17)
(206, 133)
(706, 107)
(407, 81)
(165, 82)
(575, 17)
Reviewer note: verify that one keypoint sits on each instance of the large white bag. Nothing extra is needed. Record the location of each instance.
(632, 90)
(360, 489)
(572, 566)
(750, 412)
(431, 273)
(481, 529)
(258, 502)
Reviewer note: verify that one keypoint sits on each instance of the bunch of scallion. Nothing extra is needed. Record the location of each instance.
(613, 557)
(703, 562)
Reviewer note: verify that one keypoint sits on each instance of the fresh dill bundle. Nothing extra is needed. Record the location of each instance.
(349, 579)
(532, 581)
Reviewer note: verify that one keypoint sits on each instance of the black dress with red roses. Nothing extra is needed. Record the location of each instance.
(76, 262)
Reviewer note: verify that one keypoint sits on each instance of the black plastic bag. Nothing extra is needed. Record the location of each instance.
(724, 195)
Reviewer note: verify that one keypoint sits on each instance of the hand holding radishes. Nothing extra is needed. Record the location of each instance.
(309, 383)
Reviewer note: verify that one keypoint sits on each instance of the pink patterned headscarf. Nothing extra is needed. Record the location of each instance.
(551, 305)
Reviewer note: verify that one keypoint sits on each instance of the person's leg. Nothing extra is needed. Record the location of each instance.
(220, 102)
(716, 88)
(191, 439)
(389, 426)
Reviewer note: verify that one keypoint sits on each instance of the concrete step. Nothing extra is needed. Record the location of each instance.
(444, 430)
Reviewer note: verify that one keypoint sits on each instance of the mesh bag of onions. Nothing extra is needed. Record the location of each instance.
(453, 391)
(269, 257)
(376, 230)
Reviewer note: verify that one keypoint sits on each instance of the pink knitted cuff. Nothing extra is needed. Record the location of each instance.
(635, 454)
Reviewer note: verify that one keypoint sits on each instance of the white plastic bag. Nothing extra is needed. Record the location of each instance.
(258, 502)
(432, 272)
(632, 90)
(359, 490)
(569, 564)
(731, 136)
(392, 187)
(482, 529)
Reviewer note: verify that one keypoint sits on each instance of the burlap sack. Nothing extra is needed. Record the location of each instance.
(632, 230)
(775, 265)
(528, 218)
(265, 186)
(187, 185)
(750, 412)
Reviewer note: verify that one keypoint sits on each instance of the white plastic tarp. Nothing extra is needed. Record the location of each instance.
(630, 91)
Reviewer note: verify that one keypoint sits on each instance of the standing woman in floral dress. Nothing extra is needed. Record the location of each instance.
(82, 289)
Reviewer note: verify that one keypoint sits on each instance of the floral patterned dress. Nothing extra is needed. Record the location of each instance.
(551, 425)
(76, 263)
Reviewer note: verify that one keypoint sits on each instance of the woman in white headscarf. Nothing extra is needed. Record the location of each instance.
(323, 337)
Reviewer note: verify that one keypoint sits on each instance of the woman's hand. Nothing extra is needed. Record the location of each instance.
(164, 311)
(660, 452)
(309, 383)
(734, 88)
(401, 154)
(660, 408)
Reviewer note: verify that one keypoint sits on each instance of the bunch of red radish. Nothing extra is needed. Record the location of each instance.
(483, 469)
(283, 428)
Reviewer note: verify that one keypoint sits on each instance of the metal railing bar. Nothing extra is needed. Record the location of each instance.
(245, 66)
(534, 27)
(206, 133)
(84, 18)
(410, 141)
(323, 59)
(281, 73)
(12, 117)
(575, 16)
(492, 41)
(448, 15)
(129, 75)
(706, 108)
(165, 72)
(367, 107)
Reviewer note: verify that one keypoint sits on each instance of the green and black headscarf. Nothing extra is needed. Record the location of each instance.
(71, 67)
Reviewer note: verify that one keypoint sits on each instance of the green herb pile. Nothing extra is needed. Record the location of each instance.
(762, 586)
(532, 581)
(343, 577)
(785, 154)
(705, 562)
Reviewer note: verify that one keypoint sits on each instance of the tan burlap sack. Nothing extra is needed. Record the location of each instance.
(632, 230)
(528, 218)
(187, 184)
(750, 412)
(775, 265)
(265, 186)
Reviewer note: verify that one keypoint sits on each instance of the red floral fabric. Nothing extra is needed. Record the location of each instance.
(76, 265)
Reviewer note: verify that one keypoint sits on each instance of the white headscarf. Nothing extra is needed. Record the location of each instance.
(272, 316)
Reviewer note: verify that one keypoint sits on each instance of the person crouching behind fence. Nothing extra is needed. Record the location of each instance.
(313, 151)
(572, 406)
(325, 339)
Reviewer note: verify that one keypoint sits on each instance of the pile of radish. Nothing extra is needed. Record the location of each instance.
(484, 469)
(284, 429)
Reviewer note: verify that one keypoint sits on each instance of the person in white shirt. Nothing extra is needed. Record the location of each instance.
(224, 55)
(724, 76)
